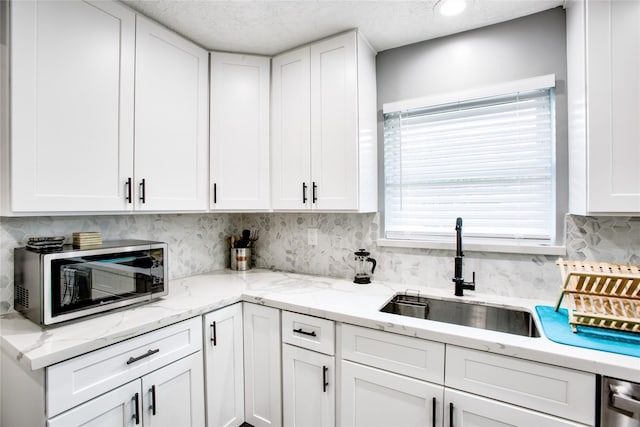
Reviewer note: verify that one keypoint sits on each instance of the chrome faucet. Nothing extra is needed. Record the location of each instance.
(461, 285)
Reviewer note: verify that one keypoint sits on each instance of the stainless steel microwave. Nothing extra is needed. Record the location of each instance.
(58, 286)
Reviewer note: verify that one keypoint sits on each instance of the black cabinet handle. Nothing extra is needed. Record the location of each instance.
(304, 193)
(433, 412)
(325, 383)
(213, 333)
(300, 331)
(143, 191)
(314, 192)
(152, 390)
(128, 198)
(450, 414)
(136, 413)
(215, 193)
(147, 354)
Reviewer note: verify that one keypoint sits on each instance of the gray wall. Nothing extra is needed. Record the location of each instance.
(522, 48)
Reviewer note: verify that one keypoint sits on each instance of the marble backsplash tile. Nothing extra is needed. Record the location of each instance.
(283, 246)
(197, 244)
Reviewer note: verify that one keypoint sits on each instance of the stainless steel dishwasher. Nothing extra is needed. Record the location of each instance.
(619, 403)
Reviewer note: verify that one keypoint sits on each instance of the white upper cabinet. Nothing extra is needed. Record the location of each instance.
(290, 130)
(603, 61)
(239, 146)
(72, 84)
(324, 127)
(171, 167)
(82, 73)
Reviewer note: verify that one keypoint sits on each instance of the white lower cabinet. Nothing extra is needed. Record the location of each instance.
(373, 397)
(223, 362)
(463, 387)
(562, 392)
(262, 377)
(308, 388)
(170, 396)
(113, 409)
(468, 410)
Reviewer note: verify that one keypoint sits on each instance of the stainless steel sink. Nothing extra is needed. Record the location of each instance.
(501, 319)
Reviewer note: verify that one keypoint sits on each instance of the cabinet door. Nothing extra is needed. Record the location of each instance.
(72, 75)
(373, 397)
(223, 363)
(174, 395)
(468, 410)
(613, 88)
(551, 389)
(290, 131)
(113, 409)
(334, 123)
(239, 132)
(308, 388)
(262, 378)
(170, 120)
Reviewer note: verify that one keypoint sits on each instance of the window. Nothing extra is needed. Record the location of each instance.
(487, 156)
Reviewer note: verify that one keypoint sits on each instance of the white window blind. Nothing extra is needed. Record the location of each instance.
(489, 160)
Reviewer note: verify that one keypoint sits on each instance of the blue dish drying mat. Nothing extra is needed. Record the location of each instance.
(556, 327)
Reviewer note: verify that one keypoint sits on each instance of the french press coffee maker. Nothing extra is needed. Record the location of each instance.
(362, 275)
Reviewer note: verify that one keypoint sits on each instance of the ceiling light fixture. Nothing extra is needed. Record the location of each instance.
(452, 7)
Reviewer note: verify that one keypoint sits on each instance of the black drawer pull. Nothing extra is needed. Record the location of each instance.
(147, 354)
(433, 412)
(136, 414)
(304, 193)
(314, 197)
(214, 334)
(325, 383)
(129, 189)
(143, 191)
(152, 390)
(450, 414)
(300, 331)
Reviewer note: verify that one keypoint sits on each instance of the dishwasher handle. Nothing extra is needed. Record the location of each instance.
(625, 403)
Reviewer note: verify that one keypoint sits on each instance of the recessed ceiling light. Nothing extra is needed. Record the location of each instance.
(452, 7)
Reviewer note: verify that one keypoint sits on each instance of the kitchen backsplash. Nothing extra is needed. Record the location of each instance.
(197, 244)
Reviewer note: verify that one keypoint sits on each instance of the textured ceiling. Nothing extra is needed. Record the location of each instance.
(272, 26)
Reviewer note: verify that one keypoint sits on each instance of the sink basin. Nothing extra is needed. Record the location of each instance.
(501, 319)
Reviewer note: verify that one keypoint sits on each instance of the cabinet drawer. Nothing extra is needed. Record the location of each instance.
(464, 409)
(410, 356)
(76, 380)
(550, 389)
(309, 332)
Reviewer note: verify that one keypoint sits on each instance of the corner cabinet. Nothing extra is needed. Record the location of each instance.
(108, 115)
(223, 363)
(239, 146)
(324, 128)
(262, 372)
(171, 125)
(603, 64)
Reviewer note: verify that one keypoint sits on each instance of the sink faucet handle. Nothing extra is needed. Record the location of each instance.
(472, 284)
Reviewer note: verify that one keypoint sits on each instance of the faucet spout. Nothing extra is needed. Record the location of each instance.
(458, 279)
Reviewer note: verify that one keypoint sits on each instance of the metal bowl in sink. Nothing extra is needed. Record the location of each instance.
(493, 318)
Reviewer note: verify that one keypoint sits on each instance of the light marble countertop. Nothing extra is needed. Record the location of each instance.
(337, 299)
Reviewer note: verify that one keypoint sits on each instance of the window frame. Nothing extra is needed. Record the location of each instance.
(487, 244)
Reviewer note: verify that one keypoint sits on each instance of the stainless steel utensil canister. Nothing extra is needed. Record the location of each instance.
(240, 258)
